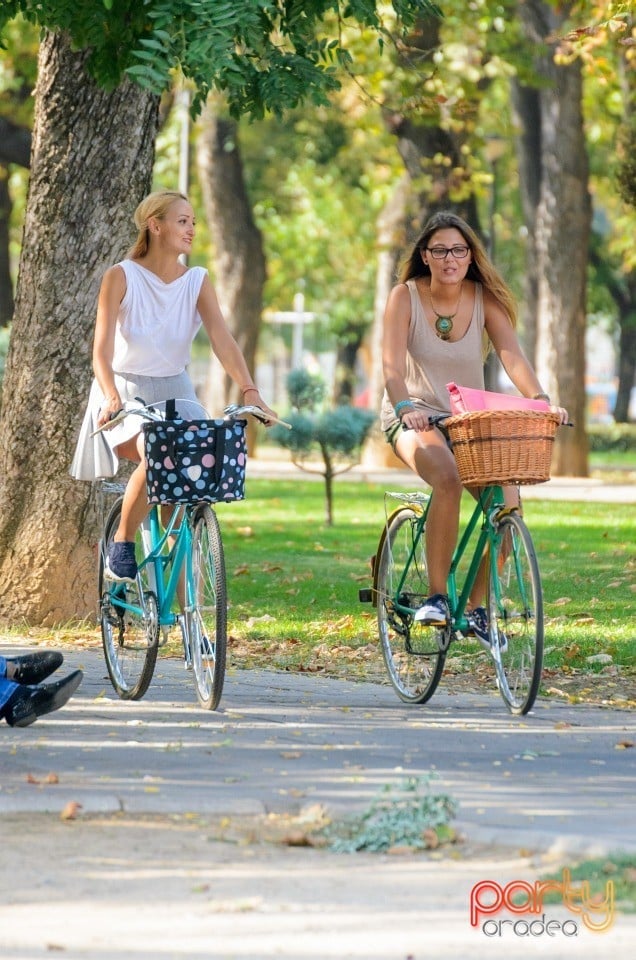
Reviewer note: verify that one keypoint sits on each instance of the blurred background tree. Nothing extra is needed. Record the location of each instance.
(336, 433)
(319, 196)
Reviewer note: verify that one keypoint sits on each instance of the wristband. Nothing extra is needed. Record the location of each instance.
(541, 396)
(402, 405)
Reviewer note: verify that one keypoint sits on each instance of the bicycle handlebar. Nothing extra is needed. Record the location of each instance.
(234, 412)
(147, 412)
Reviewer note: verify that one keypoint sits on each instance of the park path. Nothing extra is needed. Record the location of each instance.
(140, 871)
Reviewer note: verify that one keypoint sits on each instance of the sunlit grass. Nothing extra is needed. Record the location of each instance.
(293, 585)
(294, 581)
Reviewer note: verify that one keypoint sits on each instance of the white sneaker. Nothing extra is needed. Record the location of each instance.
(434, 612)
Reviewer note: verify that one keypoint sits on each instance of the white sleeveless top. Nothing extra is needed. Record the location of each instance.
(431, 363)
(157, 322)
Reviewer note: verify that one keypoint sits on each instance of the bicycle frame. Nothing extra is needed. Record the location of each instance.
(156, 561)
(177, 559)
(490, 503)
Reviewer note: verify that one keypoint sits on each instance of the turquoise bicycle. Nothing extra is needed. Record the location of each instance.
(414, 654)
(181, 583)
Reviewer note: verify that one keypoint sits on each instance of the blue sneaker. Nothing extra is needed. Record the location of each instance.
(434, 612)
(479, 627)
(121, 566)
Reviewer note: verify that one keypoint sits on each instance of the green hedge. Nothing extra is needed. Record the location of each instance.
(613, 437)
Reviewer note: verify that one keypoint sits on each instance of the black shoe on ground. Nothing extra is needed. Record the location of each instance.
(121, 566)
(28, 703)
(434, 612)
(33, 667)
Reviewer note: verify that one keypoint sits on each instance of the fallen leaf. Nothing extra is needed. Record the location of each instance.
(297, 839)
(432, 840)
(71, 810)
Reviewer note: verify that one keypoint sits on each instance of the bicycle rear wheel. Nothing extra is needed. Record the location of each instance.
(207, 623)
(515, 610)
(129, 623)
(412, 653)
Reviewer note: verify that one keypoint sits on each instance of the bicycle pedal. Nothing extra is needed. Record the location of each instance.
(365, 595)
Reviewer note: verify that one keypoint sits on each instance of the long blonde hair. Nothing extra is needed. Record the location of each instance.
(480, 270)
(154, 205)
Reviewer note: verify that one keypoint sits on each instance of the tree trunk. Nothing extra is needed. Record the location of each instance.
(91, 163)
(527, 109)
(15, 147)
(346, 359)
(391, 242)
(239, 257)
(6, 286)
(626, 358)
(563, 218)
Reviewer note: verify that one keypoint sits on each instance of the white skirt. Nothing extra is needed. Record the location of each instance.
(95, 457)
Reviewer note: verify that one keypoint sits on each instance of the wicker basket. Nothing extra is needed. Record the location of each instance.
(503, 446)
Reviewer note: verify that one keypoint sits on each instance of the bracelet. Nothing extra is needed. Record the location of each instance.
(402, 405)
(248, 388)
(541, 396)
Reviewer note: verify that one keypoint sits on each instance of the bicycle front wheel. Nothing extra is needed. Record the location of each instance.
(413, 656)
(207, 623)
(515, 609)
(129, 622)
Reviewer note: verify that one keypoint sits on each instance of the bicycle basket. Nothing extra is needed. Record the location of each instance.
(188, 461)
(503, 446)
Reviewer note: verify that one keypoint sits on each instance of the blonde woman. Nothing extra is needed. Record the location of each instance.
(150, 307)
(449, 300)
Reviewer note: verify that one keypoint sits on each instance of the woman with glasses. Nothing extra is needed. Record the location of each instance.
(450, 301)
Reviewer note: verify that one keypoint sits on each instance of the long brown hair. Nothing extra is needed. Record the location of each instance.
(154, 205)
(481, 270)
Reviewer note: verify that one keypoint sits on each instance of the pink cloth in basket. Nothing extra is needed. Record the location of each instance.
(469, 400)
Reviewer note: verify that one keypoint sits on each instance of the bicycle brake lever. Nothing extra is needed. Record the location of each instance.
(257, 412)
(112, 421)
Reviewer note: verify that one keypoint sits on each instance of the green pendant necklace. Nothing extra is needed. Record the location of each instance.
(444, 321)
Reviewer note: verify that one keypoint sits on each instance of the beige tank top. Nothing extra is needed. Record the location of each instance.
(431, 363)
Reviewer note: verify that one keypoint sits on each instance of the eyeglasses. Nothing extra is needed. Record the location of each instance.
(440, 253)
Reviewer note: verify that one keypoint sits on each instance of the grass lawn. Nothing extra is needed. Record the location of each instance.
(293, 585)
(293, 590)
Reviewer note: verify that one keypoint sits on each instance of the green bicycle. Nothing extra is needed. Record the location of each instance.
(181, 583)
(415, 655)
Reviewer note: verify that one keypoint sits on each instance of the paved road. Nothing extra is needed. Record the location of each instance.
(147, 881)
(562, 778)
(559, 781)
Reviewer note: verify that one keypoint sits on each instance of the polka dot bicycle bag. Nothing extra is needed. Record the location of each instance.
(195, 460)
